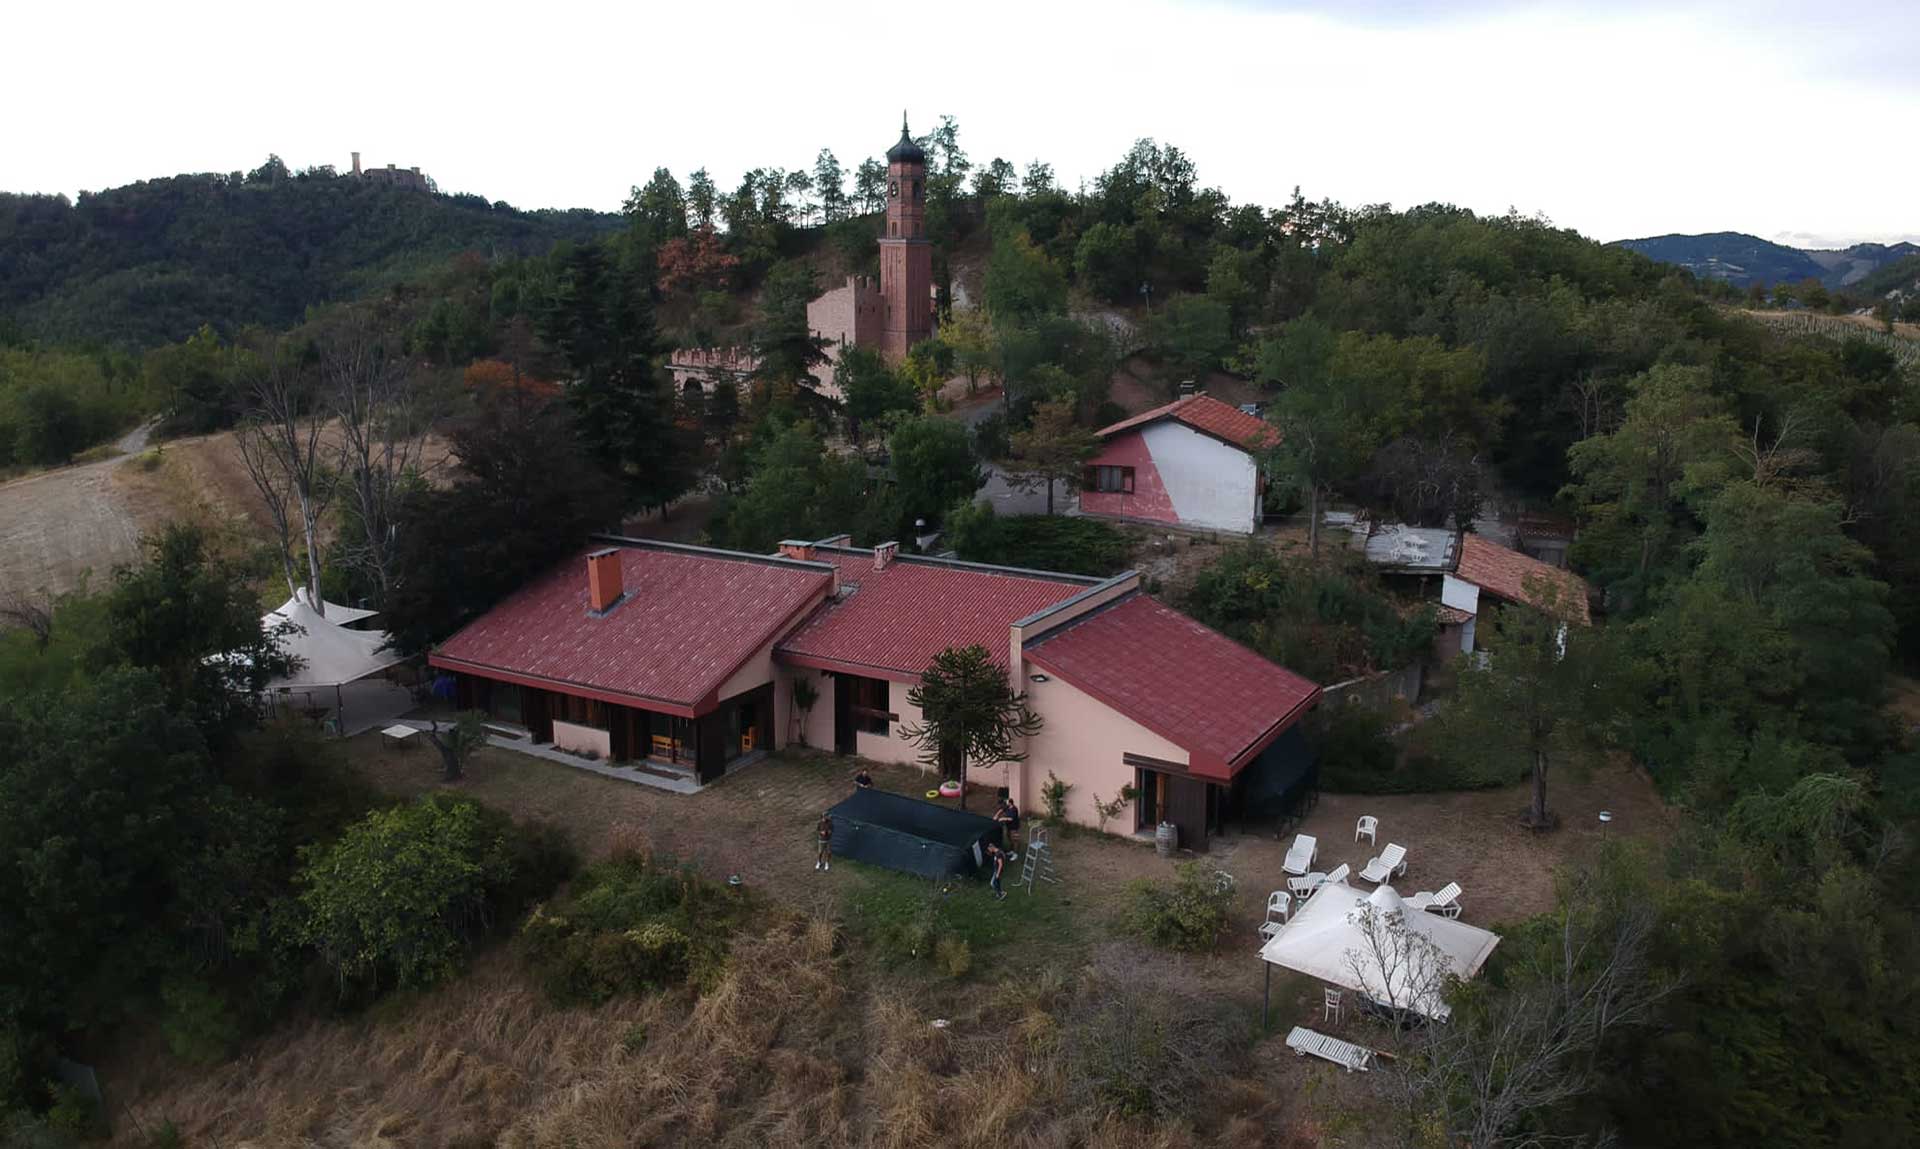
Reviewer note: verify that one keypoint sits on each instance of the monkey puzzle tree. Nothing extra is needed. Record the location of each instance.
(969, 715)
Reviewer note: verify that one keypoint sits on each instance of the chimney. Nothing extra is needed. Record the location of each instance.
(1186, 388)
(604, 590)
(356, 163)
(883, 554)
(796, 549)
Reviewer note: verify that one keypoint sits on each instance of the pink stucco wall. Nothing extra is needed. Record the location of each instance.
(1081, 743)
(1149, 499)
(819, 722)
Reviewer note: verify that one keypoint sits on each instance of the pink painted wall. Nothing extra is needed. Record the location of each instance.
(1081, 742)
(1149, 499)
(819, 722)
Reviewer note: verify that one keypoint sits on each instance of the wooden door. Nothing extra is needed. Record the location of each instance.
(1186, 807)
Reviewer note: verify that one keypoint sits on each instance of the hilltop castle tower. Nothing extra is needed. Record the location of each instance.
(906, 258)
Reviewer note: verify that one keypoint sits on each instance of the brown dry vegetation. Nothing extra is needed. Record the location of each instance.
(810, 1039)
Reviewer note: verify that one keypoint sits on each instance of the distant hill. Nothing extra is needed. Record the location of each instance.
(149, 263)
(1746, 259)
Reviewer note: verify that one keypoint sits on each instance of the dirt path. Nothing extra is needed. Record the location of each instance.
(58, 525)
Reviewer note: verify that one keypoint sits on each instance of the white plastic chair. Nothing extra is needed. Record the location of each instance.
(1392, 861)
(1280, 903)
(1445, 902)
(1330, 1004)
(1365, 827)
(1301, 855)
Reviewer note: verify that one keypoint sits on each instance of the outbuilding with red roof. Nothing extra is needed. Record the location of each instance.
(1193, 463)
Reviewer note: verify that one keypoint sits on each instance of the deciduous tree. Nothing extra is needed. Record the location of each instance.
(1054, 449)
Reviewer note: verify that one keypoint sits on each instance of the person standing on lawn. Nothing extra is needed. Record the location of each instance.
(997, 860)
(1008, 815)
(825, 831)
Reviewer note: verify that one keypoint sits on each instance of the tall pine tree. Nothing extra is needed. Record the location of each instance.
(600, 317)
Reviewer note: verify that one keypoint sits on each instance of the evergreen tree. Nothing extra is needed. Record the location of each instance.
(601, 319)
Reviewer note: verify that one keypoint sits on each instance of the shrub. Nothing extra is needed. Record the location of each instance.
(1135, 1047)
(1190, 914)
(1054, 794)
(199, 1025)
(953, 955)
(405, 891)
(1040, 542)
(1328, 621)
(630, 925)
(1355, 753)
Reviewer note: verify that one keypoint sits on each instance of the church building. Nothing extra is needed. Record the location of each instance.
(891, 316)
(899, 312)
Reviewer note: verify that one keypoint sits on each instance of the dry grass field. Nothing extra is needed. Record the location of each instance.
(811, 1038)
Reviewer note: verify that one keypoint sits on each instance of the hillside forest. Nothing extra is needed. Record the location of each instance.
(1747, 496)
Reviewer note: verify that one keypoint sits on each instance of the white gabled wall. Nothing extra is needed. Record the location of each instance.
(1211, 484)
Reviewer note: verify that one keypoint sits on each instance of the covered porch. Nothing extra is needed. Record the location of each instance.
(600, 728)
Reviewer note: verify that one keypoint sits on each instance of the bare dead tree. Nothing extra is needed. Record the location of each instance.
(1494, 1077)
(1776, 458)
(1398, 967)
(383, 439)
(282, 442)
(1593, 400)
(276, 492)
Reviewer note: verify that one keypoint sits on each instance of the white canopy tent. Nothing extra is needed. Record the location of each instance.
(1327, 939)
(334, 611)
(330, 654)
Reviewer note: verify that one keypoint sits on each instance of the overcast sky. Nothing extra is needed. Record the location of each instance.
(1798, 122)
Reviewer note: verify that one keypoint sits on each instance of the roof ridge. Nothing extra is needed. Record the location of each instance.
(698, 551)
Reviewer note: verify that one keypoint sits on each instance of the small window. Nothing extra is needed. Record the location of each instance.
(868, 704)
(1110, 480)
(893, 229)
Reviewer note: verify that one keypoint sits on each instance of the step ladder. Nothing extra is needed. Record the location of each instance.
(1037, 861)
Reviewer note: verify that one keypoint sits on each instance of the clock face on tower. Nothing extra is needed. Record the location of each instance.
(893, 190)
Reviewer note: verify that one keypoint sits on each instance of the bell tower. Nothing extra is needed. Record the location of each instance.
(906, 258)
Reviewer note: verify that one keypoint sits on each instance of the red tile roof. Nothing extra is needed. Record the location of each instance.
(1207, 415)
(1193, 686)
(1505, 573)
(690, 619)
(893, 622)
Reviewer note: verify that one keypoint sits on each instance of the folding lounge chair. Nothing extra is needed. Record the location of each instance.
(1301, 854)
(1446, 901)
(1348, 1056)
(1392, 861)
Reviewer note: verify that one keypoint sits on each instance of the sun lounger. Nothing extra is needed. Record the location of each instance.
(1348, 1056)
(1446, 901)
(1301, 854)
(1392, 861)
